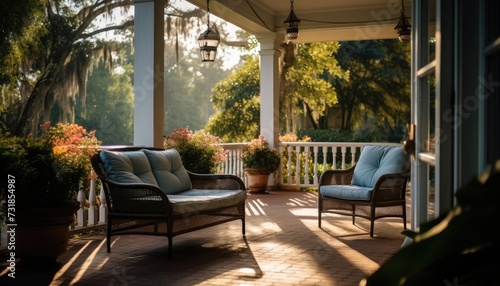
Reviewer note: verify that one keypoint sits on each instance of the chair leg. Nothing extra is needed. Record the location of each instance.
(243, 226)
(353, 212)
(108, 243)
(372, 220)
(108, 236)
(169, 247)
(371, 227)
(320, 208)
(404, 215)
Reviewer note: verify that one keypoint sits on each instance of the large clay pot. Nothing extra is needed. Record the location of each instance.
(42, 233)
(257, 180)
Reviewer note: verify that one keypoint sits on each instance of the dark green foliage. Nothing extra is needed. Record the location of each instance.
(258, 155)
(238, 100)
(339, 135)
(48, 168)
(16, 19)
(458, 248)
(188, 88)
(371, 82)
(197, 160)
(378, 86)
(109, 106)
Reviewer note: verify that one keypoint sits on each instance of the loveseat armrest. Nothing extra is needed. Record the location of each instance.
(336, 177)
(130, 198)
(391, 186)
(216, 181)
(135, 198)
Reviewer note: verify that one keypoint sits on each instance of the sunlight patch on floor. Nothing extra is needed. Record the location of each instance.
(264, 227)
(87, 263)
(304, 212)
(330, 247)
(254, 208)
(66, 266)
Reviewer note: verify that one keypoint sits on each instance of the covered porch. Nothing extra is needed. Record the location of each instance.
(283, 246)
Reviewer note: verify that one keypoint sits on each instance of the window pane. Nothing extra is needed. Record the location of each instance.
(432, 29)
(492, 103)
(492, 21)
(431, 188)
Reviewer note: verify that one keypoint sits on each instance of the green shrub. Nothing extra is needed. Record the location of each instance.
(258, 155)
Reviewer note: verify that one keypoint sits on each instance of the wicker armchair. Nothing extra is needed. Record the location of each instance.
(373, 188)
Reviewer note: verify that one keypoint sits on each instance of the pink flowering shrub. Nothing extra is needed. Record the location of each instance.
(50, 167)
(200, 151)
(258, 155)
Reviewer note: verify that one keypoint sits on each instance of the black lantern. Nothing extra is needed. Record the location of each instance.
(208, 41)
(403, 27)
(292, 24)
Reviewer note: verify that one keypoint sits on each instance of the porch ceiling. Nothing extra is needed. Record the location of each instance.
(321, 20)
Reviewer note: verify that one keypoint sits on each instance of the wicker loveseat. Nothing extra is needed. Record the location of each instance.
(373, 188)
(148, 191)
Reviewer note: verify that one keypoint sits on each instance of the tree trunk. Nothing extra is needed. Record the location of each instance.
(288, 56)
(36, 100)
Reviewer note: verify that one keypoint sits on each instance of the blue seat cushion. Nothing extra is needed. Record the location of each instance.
(347, 192)
(168, 170)
(376, 161)
(198, 200)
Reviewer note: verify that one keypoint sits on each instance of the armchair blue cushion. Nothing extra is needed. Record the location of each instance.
(375, 161)
(347, 192)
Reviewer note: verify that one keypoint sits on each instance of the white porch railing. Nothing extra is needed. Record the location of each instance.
(91, 215)
(301, 166)
(294, 171)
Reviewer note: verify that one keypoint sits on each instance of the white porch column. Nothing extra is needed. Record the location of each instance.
(148, 73)
(269, 87)
(270, 90)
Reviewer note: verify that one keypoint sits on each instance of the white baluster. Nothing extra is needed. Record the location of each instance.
(103, 210)
(92, 201)
(343, 151)
(315, 166)
(297, 165)
(81, 214)
(353, 154)
(334, 154)
(325, 154)
(306, 164)
(289, 164)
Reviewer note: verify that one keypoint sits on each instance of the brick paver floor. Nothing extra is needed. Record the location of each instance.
(283, 246)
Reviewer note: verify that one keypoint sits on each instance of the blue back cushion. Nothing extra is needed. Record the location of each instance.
(376, 161)
(167, 167)
(127, 167)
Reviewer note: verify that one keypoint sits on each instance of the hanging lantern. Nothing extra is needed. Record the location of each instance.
(292, 24)
(208, 41)
(403, 27)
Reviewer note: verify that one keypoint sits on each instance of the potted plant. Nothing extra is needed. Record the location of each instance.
(259, 162)
(44, 175)
(200, 151)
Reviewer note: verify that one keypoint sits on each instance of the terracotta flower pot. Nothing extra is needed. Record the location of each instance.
(257, 180)
(42, 233)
